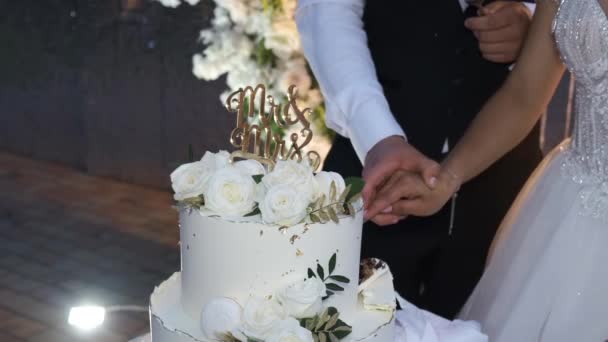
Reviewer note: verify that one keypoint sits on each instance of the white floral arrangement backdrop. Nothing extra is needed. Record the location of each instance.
(257, 41)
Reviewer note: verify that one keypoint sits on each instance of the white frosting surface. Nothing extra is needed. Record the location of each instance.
(238, 260)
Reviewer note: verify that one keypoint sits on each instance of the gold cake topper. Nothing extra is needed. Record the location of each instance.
(257, 140)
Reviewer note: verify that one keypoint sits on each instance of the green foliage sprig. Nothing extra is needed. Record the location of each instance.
(327, 209)
(332, 288)
(327, 326)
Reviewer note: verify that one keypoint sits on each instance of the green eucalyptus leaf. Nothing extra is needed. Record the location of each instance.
(332, 215)
(332, 322)
(332, 311)
(323, 215)
(344, 194)
(255, 211)
(351, 210)
(315, 338)
(354, 198)
(322, 337)
(332, 191)
(314, 218)
(322, 200)
(356, 186)
(334, 287)
(257, 178)
(311, 273)
(333, 338)
(332, 264)
(327, 294)
(324, 318)
(342, 331)
(310, 323)
(320, 271)
(339, 278)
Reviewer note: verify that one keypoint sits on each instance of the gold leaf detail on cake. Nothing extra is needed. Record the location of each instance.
(306, 228)
(299, 252)
(294, 238)
(283, 229)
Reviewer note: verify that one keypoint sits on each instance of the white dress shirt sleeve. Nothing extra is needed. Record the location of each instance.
(335, 46)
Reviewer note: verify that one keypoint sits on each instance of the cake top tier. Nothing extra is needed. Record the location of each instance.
(247, 190)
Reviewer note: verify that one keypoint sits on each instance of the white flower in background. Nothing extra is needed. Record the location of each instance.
(283, 205)
(324, 180)
(260, 316)
(226, 50)
(175, 3)
(289, 330)
(237, 9)
(205, 69)
(302, 299)
(295, 73)
(170, 3)
(247, 73)
(312, 99)
(283, 38)
(230, 192)
(250, 167)
(257, 23)
(189, 180)
(298, 175)
(220, 316)
(289, 8)
(221, 19)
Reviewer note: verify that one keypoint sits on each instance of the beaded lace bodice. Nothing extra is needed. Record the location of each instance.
(581, 33)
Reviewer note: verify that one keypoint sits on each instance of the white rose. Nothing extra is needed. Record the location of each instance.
(283, 205)
(216, 160)
(324, 180)
(298, 175)
(260, 316)
(230, 192)
(302, 299)
(289, 330)
(189, 180)
(251, 167)
(220, 316)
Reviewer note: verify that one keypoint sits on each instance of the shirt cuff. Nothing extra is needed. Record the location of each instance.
(372, 123)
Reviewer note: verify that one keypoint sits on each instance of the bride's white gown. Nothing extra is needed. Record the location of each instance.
(547, 279)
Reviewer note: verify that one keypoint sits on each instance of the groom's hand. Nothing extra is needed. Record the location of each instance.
(501, 29)
(385, 158)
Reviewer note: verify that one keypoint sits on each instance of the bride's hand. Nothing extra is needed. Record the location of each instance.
(406, 194)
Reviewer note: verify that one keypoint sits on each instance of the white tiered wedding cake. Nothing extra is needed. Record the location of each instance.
(270, 250)
(247, 278)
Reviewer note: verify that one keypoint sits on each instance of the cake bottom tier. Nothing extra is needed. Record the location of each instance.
(170, 323)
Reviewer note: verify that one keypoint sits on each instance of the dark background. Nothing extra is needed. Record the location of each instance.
(106, 86)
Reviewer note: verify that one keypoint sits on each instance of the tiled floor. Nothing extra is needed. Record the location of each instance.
(68, 238)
